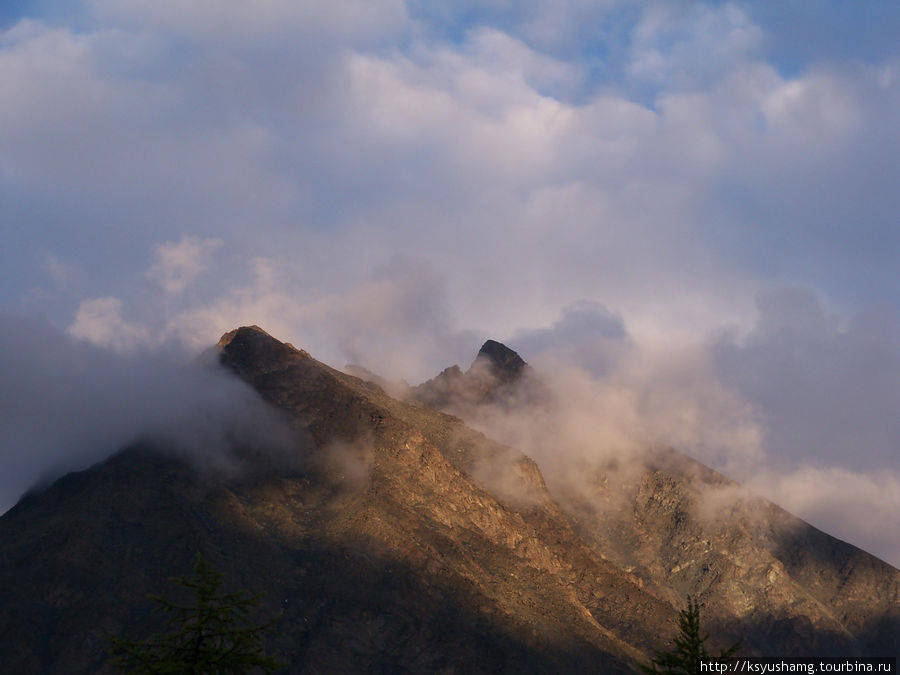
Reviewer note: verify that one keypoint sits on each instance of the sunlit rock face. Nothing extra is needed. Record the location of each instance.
(763, 575)
(391, 536)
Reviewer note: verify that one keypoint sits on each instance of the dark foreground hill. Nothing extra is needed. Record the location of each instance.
(394, 538)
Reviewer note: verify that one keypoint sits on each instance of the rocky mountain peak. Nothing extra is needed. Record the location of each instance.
(250, 349)
(496, 372)
(502, 362)
(241, 332)
(392, 537)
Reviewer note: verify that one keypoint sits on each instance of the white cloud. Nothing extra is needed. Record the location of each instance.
(800, 408)
(858, 507)
(587, 335)
(237, 23)
(679, 44)
(176, 264)
(67, 405)
(465, 154)
(512, 59)
(653, 393)
(396, 322)
(100, 322)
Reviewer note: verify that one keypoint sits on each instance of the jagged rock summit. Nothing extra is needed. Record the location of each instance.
(251, 348)
(501, 361)
(397, 539)
(497, 376)
(764, 575)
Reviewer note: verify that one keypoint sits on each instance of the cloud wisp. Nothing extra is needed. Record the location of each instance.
(793, 409)
(67, 405)
(178, 263)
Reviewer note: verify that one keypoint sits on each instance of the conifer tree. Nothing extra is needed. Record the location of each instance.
(690, 648)
(212, 634)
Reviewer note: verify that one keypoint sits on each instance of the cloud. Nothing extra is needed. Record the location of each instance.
(613, 397)
(100, 322)
(469, 153)
(800, 408)
(512, 58)
(176, 264)
(236, 23)
(67, 404)
(826, 385)
(688, 45)
(587, 335)
(857, 506)
(809, 200)
(395, 322)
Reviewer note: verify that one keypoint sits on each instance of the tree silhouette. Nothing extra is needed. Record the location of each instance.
(212, 634)
(689, 649)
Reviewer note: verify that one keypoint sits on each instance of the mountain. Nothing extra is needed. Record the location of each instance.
(392, 537)
(497, 376)
(765, 576)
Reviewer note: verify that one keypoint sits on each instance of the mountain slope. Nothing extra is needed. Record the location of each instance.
(763, 575)
(393, 537)
(377, 541)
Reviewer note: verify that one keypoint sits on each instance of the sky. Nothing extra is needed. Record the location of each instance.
(696, 200)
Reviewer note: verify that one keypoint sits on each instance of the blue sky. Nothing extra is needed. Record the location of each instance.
(389, 182)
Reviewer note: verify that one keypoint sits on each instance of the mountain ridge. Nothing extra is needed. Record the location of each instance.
(394, 536)
(839, 611)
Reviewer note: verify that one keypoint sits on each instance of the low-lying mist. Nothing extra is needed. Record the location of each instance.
(794, 410)
(65, 405)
